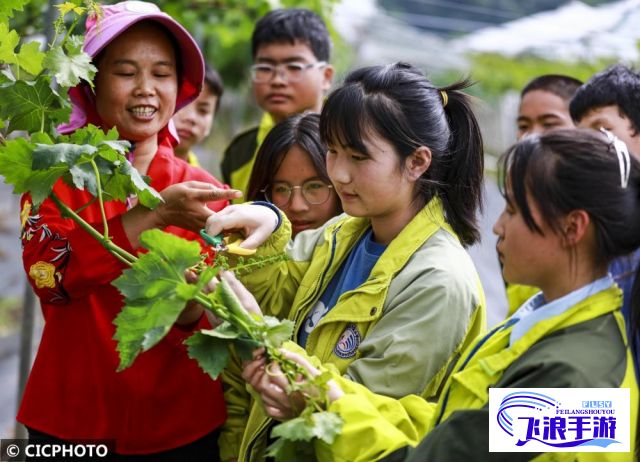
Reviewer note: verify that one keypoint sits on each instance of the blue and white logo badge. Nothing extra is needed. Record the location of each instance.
(348, 343)
(559, 420)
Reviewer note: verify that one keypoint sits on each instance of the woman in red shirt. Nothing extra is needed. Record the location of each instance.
(163, 406)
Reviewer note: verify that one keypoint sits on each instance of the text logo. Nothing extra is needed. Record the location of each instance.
(559, 420)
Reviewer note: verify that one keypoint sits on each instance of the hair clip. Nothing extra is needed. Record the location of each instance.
(623, 156)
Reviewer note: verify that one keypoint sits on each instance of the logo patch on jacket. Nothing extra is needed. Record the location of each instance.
(348, 342)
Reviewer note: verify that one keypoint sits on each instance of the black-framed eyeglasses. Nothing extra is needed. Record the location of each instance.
(314, 192)
(291, 71)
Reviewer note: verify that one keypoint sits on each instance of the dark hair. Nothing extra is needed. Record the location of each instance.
(398, 103)
(300, 130)
(292, 25)
(213, 80)
(617, 85)
(554, 169)
(560, 85)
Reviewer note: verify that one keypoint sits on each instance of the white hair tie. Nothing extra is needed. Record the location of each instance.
(623, 156)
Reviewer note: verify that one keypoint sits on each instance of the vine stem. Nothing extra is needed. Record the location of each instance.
(71, 27)
(115, 250)
(105, 233)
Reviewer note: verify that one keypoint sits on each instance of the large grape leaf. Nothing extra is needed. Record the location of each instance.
(75, 153)
(32, 106)
(155, 292)
(28, 58)
(211, 352)
(15, 166)
(72, 66)
(210, 348)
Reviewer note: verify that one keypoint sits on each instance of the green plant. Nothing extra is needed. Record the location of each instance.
(154, 287)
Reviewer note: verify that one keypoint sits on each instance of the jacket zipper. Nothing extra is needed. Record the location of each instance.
(302, 315)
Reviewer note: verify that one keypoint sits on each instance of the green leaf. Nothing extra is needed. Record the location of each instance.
(15, 166)
(323, 425)
(298, 429)
(326, 426)
(32, 106)
(7, 7)
(212, 353)
(28, 58)
(277, 331)
(147, 196)
(155, 292)
(46, 156)
(71, 67)
(225, 330)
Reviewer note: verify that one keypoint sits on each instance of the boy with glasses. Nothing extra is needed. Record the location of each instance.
(291, 49)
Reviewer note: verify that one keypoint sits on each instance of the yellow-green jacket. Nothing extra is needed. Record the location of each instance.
(583, 347)
(421, 306)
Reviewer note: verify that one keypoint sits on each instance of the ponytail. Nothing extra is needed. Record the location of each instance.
(406, 109)
(462, 188)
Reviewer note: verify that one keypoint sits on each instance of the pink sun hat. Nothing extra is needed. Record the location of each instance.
(115, 19)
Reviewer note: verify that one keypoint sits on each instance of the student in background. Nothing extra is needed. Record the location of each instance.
(291, 74)
(544, 106)
(291, 172)
(611, 100)
(194, 121)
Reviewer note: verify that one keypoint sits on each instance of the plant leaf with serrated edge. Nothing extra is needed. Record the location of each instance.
(32, 106)
(147, 196)
(28, 58)
(46, 156)
(324, 425)
(7, 7)
(211, 353)
(298, 429)
(277, 331)
(71, 67)
(155, 292)
(15, 166)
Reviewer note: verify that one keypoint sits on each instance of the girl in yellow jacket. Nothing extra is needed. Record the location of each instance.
(386, 290)
(573, 204)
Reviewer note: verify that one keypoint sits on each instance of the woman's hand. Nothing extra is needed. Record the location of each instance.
(185, 206)
(255, 222)
(271, 385)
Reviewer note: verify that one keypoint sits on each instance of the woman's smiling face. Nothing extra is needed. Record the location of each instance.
(137, 82)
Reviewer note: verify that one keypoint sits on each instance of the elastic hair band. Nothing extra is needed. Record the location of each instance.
(445, 98)
(623, 156)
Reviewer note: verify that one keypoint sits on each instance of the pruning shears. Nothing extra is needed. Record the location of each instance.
(222, 243)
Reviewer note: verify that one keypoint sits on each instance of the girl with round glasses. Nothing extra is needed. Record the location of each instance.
(290, 172)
